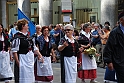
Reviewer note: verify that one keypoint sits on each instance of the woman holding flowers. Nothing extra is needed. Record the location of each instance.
(86, 59)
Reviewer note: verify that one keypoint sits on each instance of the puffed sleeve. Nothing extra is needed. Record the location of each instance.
(62, 40)
(15, 45)
(35, 48)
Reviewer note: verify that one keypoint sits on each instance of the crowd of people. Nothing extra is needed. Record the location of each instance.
(80, 52)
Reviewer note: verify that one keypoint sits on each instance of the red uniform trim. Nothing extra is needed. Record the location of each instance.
(66, 10)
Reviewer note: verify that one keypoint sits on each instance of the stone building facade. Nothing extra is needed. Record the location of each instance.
(45, 12)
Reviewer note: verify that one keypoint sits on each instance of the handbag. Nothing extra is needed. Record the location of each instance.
(79, 59)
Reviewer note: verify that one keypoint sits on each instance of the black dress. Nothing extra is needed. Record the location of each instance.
(4, 47)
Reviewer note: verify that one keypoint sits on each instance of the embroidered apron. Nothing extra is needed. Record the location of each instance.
(87, 63)
(46, 70)
(5, 69)
(70, 69)
(26, 67)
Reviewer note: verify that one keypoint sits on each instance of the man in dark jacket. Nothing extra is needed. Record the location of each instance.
(114, 50)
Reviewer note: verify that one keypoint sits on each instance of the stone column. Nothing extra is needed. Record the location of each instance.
(25, 6)
(45, 12)
(0, 13)
(3, 13)
(109, 11)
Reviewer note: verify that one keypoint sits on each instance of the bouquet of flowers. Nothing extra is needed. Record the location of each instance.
(90, 52)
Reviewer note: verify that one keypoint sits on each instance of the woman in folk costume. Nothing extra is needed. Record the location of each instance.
(44, 70)
(69, 49)
(88, 63)
(36, 35)
(23, 47)
(6, 73)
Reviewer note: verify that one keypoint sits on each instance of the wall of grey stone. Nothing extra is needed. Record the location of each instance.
(0, 13)
(3, 13)
(25, 6)
(93, 4)
(45, 12)
(12, 13)
(109, 11)
(56, 12)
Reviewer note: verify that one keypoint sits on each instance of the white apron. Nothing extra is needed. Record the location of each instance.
(26, 67)
(5, 69)
(87, 63)
(46, 70)
(70, 64)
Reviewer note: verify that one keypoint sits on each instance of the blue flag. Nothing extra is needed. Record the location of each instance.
(21, 15)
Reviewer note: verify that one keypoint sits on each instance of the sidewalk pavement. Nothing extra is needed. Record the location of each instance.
(57, 72)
